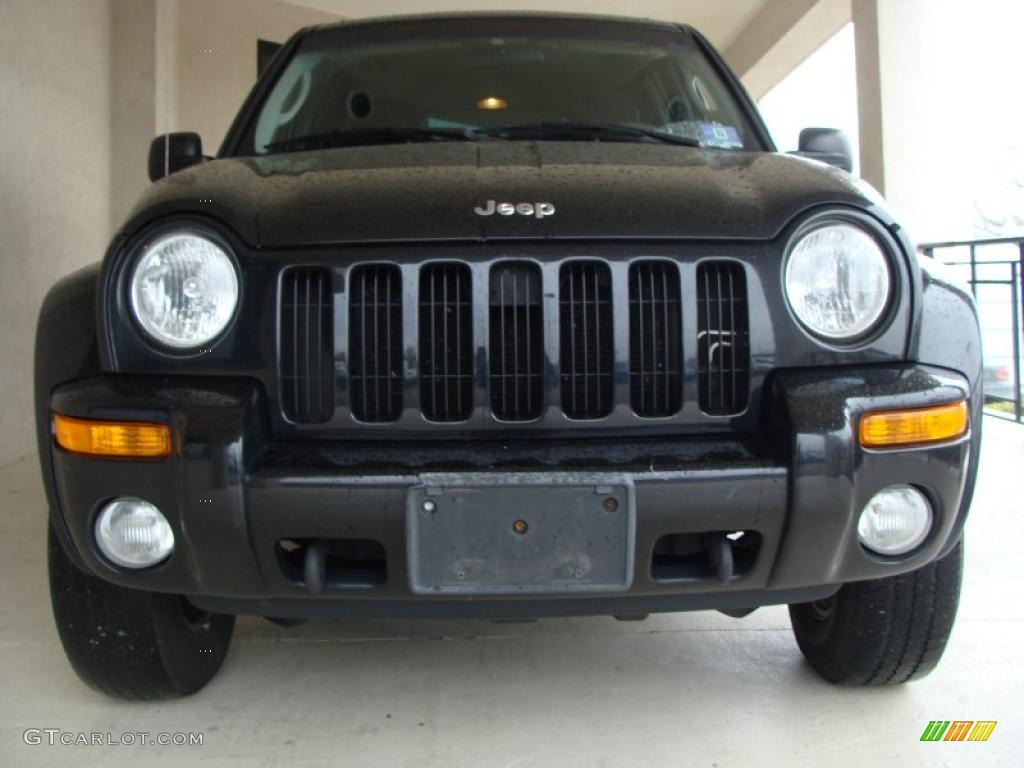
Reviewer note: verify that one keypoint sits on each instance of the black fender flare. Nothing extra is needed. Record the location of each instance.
(948, 335)
(66, 349)
(948, 314)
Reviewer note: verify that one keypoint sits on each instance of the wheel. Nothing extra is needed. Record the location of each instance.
(129, 643)
(882, 631)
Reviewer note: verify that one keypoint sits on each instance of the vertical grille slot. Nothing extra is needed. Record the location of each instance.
(655, 343)
(587, 345)
(375, 342)
(723, 340)
(446, 342)
(307, 345)
(517, 342)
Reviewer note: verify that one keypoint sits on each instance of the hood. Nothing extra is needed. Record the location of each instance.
(429, 191)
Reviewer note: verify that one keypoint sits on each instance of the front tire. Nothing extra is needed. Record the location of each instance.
(133, 644)
(882, 631)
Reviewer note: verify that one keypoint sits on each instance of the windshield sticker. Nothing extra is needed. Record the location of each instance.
(719, 136)
(712, 135)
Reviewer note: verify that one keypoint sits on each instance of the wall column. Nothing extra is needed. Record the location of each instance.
(133, 102)
(869, 93)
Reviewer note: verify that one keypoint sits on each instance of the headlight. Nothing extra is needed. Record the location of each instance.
(837, 281)
(184, 290)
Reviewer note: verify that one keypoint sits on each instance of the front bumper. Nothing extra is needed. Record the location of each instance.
(232, 495)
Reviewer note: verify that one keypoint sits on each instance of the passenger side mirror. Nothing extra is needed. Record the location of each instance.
(828, 145)
(173, 152)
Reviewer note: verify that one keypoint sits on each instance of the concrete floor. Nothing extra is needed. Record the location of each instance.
(676, 690)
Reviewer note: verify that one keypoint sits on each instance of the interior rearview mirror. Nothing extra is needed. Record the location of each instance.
(173, 152)
(829, 145)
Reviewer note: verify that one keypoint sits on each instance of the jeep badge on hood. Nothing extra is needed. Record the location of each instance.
(540, 210)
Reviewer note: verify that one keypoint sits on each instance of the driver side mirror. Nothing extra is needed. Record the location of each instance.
(173, 152)
(828, 145)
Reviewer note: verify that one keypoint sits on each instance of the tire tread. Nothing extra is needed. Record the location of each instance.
(116, 638)
(884, 631)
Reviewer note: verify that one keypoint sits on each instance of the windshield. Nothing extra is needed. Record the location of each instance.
(489, 80)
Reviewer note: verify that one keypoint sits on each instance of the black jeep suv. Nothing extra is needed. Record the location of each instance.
(510, 317)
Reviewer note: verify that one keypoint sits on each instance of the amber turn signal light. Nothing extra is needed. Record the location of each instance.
(887, 429)
(124, 439)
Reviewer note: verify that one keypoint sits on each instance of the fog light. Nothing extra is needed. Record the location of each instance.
(133, 533)
(895, 521)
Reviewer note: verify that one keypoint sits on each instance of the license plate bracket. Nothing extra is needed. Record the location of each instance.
(514, 536)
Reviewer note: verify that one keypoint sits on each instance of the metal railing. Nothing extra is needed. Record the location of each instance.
(1003, 394)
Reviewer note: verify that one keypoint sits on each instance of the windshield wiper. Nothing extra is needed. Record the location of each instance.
(577, 129)
(564, 130)
(350, 137)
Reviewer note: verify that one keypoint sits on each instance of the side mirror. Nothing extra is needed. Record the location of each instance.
(173, 152)
(828, 145)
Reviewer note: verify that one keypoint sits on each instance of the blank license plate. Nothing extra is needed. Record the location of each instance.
(520, 539)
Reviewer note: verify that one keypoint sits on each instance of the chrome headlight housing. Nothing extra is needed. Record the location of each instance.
(838, 280)
(184, 289)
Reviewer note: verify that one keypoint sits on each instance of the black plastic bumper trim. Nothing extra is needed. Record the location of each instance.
(538, 608)
(232, 493)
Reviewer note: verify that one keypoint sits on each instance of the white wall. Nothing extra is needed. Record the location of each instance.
(54, 175)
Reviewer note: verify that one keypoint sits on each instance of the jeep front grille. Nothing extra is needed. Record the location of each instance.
(375, 342)
(307, 345)
(427, 347)
(723, 357)
(516, 342)
(446, 342)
